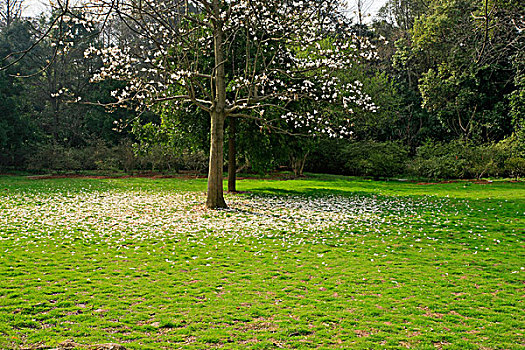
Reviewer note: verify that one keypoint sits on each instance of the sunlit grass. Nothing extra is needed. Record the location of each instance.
(322, 262)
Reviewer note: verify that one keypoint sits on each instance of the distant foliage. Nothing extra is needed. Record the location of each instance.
(376, 159)
(438, 160)
(359, 158)
(100, 155)
(457, 159)
(515, 166)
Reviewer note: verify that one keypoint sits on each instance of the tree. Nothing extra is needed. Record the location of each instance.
(64, 75)
(462, 49)
(291, 51)
(10, 10)
(17, 130)
(42, 66)
(401, 14)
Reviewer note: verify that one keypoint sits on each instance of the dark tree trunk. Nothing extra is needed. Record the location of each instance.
(298, 164)
(232, 157)
(54, 103)
(215, 198)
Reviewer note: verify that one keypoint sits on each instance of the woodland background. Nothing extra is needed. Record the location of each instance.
(449, 82)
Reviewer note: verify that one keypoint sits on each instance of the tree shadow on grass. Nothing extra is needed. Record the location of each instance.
(309, 192)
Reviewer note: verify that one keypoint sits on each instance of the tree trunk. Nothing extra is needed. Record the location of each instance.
(298, 164)
(54, 103)
(232, 154)
(215, 198)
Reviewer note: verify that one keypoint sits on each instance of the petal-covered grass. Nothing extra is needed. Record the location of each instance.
(321, 262)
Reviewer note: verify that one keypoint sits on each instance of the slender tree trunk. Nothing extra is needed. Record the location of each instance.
(54, 103)
(232, 154)
(303, 163)
(215, 199)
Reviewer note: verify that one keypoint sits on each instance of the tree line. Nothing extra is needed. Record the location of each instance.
(433, 88)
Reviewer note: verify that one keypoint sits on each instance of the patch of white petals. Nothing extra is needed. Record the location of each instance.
(115, 217)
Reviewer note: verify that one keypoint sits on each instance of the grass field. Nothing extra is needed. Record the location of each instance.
(321, 262)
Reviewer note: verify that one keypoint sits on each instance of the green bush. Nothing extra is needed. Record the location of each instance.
(156, 157)
(127, 160)
(482, 161)
(196, 161)
(361, 158)
(377, 159)
(457, 159)
(515, 166)
(99, 155)
(54, 157)
(327, 157)
(433, 160)
(436, 160)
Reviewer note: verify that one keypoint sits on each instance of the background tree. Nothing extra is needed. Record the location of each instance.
(462, 48)
(18, 131)
(10, 11)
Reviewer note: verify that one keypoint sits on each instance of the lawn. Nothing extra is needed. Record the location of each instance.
(321, 262)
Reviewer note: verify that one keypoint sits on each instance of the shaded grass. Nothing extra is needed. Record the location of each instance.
(448, 273)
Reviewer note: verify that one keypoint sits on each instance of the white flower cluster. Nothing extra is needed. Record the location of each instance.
(275, 53)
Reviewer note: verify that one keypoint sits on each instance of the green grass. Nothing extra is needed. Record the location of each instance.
(321, 262)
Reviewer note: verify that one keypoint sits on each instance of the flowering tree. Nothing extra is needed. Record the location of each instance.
(256, 59)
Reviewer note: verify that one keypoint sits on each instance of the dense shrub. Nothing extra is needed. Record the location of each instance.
(195, 161)
(377, 159)
(433, 160)
(156, 157)
(360, 158)
(99, 155)
(436, 160)
(56, 157)
(515, 166)
(458, 159)
(514, 161)
(327, 157)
